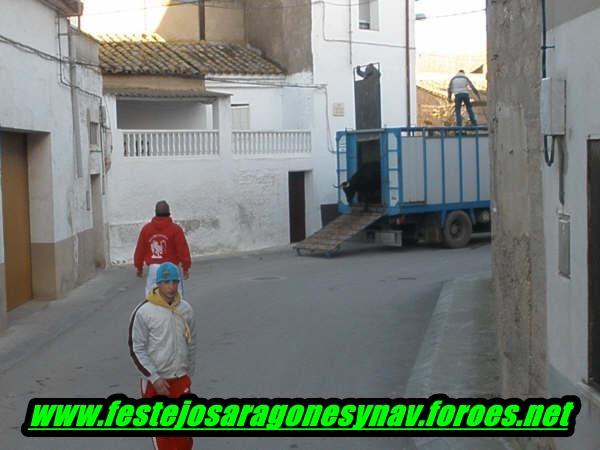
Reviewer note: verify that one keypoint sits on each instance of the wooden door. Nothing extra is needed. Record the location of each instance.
(15, 213)
(297, 207)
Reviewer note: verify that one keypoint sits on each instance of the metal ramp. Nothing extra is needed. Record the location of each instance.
(329, 239)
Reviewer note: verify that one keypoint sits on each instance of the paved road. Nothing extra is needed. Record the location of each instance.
(271, 324)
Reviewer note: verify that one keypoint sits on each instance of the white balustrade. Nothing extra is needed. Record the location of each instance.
(271, 143)
(170, 143)
(205, 143)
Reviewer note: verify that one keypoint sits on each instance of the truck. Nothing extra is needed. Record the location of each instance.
(433, 186)
(426, 184)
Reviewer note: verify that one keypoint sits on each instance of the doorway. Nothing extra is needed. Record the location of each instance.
(593, 185)
(368, 171)
(98, 219)
(15, 212)
(297, 202)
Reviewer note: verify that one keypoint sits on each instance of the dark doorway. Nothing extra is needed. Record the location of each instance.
(593, 181)
(98, 219)
(368, 171)
(297, 207)
(15, 211)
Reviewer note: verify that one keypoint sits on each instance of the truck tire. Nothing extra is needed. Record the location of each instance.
(457, 229)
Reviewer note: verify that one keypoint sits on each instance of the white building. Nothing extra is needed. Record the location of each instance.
(546, 202)
(571, 189)
(276, 145)
(51, 147)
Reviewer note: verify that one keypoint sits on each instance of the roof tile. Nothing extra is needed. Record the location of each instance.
(149, 54)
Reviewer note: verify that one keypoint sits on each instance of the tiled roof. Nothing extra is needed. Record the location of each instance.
(163, 93)
(149, 54)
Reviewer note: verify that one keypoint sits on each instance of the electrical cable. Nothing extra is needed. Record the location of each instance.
(549, 152)
(462, 13)
(46, 56)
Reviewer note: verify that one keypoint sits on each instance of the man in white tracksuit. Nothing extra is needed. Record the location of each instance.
(162, 344)
(459, 86)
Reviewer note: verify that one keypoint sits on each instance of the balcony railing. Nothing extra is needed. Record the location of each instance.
(205, 143)
(170, 143)
(271, 143)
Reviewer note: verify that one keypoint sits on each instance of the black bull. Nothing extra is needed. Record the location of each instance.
(366, 182)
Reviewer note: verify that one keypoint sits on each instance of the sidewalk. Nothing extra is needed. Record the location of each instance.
(458, 356)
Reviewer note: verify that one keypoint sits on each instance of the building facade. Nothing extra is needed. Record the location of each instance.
(546, 167)
(279, 152)
(51, 146)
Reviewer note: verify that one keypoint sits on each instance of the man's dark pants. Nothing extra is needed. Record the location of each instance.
(459, 99)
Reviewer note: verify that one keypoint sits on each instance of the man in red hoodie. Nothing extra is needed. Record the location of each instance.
(161, 240)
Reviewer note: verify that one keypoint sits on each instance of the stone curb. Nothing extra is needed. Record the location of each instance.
(458, 355)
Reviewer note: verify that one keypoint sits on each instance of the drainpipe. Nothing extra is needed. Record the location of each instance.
(349, 28)
(544, 39)
(408, 65)
(549, 152)
(74, 103)
(202, 20)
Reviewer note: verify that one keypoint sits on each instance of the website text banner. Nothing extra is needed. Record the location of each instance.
(438, 415)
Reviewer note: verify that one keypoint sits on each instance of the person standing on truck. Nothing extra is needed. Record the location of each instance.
(162, 344)
(161, 240)
(459, 86)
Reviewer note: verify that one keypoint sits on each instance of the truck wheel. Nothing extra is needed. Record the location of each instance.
(457, 229)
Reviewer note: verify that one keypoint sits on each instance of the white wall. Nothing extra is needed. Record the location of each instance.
(336, 51)
(33, 99)
(161, 115)
(224, 204)
(263, 94)
(575, 60)
(299, 105)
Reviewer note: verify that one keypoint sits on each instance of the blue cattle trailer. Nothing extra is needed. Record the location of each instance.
(432, 185)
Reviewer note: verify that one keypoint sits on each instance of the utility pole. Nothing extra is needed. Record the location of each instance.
(201, 20)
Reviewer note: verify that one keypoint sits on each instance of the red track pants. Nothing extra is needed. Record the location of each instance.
(177, 387)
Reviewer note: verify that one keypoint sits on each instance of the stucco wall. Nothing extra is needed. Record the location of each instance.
(336, 53)
(568, 298)
(172, 20)
(572, 59)
(225, 24)
(223, 204)
(37, 101)
(161, 115)
(34, 99)
(514, 41)
(299, 105)
(265, 102)
(282, 30)
(228, 203)
(543, 315)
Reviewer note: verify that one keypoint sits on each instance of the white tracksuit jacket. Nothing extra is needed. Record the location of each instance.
(157, 341)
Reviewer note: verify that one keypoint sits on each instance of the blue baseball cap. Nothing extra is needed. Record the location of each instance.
(167, 272)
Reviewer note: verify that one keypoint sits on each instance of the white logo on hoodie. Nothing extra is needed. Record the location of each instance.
(158, 246)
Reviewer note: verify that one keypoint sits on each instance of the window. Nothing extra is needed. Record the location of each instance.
(368, 14)
(240, 119)
(94, 132)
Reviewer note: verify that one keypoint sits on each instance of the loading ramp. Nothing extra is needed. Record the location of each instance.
(329, 239)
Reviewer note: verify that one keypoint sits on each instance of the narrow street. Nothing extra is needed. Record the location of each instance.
(271, 325)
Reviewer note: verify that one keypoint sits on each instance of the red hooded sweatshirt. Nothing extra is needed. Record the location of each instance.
(161, 241)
